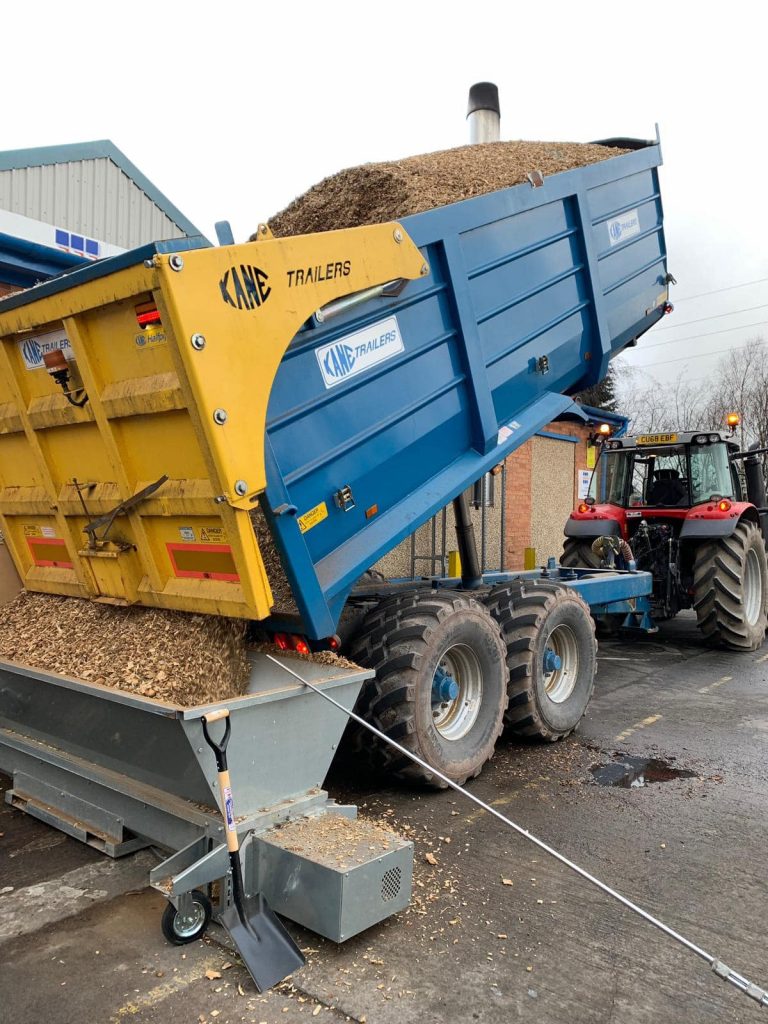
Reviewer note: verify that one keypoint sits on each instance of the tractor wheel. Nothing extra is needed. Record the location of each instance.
(730, 588)
(551, 656)
(440, 688)
(578, 554)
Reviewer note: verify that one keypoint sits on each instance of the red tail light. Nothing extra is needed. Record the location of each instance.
(147, 315)
(334, 643)
(301, 646)
(281, 641)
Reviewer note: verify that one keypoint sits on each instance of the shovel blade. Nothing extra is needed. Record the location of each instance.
(267, 950)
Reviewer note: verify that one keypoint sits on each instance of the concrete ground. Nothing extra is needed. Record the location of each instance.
(80, 937)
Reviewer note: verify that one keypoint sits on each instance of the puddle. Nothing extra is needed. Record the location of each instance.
(637, 772)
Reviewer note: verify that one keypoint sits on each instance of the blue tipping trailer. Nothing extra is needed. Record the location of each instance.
(530, 292)
(351, 426)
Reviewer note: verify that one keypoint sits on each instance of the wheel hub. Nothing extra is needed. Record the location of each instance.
(444, 687)
(753, 588)
(188, 923)
(552, 661)
(560, 663)
(457, 691)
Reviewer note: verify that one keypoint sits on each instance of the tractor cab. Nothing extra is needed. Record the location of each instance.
(665, 471)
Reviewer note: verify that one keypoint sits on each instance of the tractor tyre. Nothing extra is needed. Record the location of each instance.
(578, 554)
(730, 588)
(440, 688)
(551, 656)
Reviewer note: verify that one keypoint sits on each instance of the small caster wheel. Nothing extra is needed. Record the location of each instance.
(181, 928)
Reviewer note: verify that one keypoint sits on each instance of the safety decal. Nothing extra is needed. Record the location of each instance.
(313, 517)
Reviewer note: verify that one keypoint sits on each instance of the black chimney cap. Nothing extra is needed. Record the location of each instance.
(483, 96)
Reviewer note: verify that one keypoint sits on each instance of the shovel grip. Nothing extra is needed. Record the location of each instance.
(220, 748)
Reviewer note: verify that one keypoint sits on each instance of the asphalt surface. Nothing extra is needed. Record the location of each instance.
(80, 937)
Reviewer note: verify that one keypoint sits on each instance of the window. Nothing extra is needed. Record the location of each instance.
(710, 473)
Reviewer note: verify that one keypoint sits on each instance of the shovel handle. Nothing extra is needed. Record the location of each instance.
(220, 748)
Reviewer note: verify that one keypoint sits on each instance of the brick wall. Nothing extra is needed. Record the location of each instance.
(520, 509)
(557, 490)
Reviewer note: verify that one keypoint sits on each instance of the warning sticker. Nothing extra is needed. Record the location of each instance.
(32, 531)
(47, 531)
(212, 535)
(313, 517)
(187, 533)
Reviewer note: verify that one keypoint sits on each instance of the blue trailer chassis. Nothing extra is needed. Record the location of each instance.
(608, 592)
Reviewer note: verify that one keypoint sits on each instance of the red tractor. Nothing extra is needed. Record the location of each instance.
(675, 504)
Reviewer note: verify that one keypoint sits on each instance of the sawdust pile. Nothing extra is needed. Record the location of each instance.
(388, 191)
(334, 839)
(171, 656)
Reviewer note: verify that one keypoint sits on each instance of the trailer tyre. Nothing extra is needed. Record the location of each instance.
(730, 588)
(181, 929)
(551, 656)
(440, 688)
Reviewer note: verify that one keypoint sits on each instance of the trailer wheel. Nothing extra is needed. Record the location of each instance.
(181, 928)
(551, 656)
(578, 554)
(730, 588)
(440, 688)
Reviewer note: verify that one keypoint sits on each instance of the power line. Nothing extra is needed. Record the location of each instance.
(714, 316)
(694, 355)
(709, 334)
(717, 291)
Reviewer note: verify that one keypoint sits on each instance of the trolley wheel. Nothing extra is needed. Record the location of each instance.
(181, 928)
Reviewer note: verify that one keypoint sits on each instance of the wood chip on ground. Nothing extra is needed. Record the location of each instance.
(373, 193)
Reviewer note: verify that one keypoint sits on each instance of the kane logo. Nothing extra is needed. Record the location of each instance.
(245, 287)
(623, 227)
(339, 360)
(358, 352)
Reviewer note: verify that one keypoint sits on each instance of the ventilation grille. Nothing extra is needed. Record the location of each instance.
(391, 884)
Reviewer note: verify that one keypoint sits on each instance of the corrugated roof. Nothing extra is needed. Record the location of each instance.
(44, 156)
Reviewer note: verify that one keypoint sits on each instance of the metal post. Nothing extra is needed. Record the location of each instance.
(443, 525)
(503, 514)
(483, 113)
(471, 573)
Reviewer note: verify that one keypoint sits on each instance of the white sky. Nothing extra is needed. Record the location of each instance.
(234, 108)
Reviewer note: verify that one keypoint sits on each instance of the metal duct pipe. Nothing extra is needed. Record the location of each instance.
(753, 471)
(484, 113)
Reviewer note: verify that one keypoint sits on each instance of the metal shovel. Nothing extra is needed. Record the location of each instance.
(267, 950)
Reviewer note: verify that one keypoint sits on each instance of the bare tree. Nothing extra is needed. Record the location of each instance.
(740, 384)
(653, 407)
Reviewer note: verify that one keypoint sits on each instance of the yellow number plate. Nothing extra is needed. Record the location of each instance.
(656, 439)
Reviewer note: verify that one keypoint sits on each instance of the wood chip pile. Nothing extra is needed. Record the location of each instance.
(171, 656)
(282, 596)
(374, 193)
